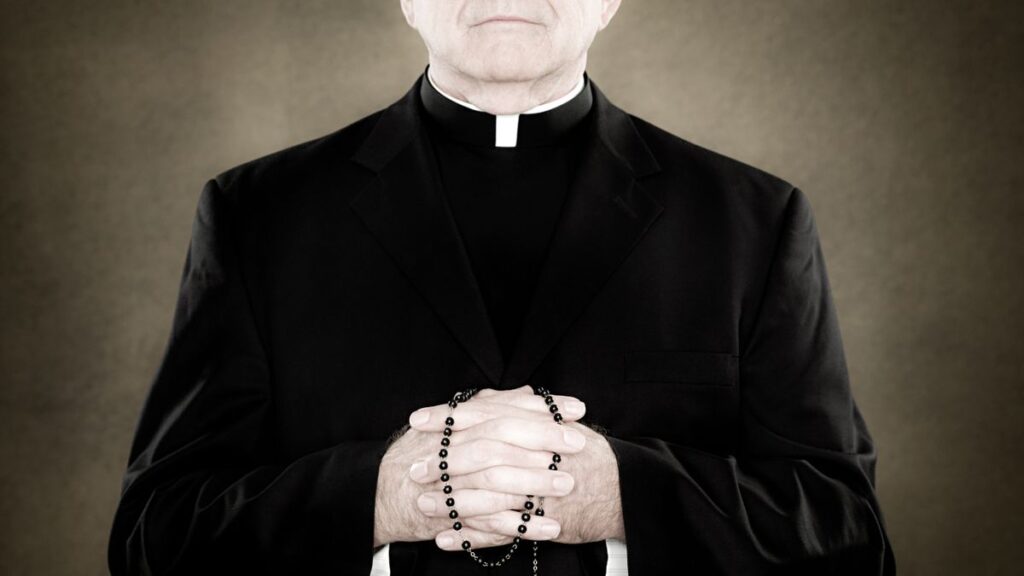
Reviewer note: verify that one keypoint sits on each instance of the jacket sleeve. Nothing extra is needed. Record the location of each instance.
(203, 492)
(797, 497)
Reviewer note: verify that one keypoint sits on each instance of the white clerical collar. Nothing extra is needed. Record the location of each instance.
(506, 126)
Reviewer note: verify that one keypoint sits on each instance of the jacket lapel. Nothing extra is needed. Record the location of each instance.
(606, 212)
(405, 209)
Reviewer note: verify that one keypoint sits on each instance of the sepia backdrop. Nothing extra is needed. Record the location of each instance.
(900, 119)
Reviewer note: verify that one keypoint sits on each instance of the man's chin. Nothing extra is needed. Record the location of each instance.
(504, 67)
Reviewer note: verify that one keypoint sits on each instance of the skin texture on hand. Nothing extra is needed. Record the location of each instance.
(395, 520)
(500, 450)
(490, 471)
(592, 511)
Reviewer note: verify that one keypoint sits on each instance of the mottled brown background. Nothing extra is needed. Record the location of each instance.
(901, 120)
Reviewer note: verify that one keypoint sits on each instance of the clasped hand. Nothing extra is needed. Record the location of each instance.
(501, 447)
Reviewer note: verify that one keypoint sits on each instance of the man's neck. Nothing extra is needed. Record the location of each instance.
(511, 97)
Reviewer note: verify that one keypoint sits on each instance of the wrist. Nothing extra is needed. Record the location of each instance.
(383, 510)
(391, 476)
(612, 495)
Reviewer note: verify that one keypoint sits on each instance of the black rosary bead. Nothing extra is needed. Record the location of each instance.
(558, 416)
(443, 453)
(522, 528)
(556, 458)
(453, 514)
(526, 516)
(552, 467)
(447, 431)
(447, 489)
(449, 421)
(445, 477)
(465, 544)
(528, 505)
(443, 465)
(445, 441)
(457, 526)
(553, 408)
(450, 501)
(549, 400)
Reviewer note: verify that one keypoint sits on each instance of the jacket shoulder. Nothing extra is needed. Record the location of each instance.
(718, 194)
(710, 171)
(298, 162)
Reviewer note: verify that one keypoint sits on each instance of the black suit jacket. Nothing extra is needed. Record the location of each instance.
(326, 294)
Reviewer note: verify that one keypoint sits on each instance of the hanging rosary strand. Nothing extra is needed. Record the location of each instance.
(446, 441)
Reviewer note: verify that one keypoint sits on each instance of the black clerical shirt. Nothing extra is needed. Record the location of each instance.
(505, 180)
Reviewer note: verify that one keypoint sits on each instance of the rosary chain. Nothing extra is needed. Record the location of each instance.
(464, 396)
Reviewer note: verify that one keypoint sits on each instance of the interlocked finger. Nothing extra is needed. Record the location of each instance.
(529, 434)
(497, 529)
(452, 540)
(570, 406)
(515, 480)
(435, 418)
(469, 502)
(483, 453)
(485, 392)
(508, 522)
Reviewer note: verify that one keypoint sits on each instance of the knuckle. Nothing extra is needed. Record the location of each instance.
(557, 434)
(492, 476)
(435, 418)
(494, 524)
(510, 501)
(495, 539)
(502, 427)
(472, 416)
(481, 451)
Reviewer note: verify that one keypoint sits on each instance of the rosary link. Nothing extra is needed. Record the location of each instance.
(464, 396)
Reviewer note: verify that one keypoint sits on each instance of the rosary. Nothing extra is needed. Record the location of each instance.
(464, 396)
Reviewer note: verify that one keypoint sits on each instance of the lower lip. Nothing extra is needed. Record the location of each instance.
(506, 21)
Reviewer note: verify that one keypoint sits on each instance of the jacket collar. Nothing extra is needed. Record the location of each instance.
(606, 212)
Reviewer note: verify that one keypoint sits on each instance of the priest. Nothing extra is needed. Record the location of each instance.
(502, 326)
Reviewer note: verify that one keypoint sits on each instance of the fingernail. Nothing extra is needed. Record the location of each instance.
(562, 483)
(575, 407)
(426, 504)
(574, 439)
(550, 530)
(418, 469)
(445, 541)
(419, 417)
